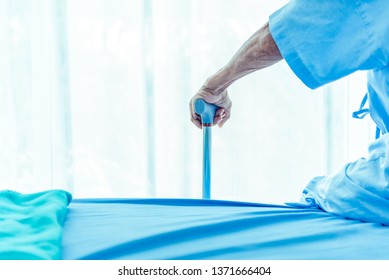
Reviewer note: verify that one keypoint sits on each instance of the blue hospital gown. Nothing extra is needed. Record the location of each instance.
(325, 40)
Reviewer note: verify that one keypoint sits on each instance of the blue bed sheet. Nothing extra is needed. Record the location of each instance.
(31, 224)
(198, 229)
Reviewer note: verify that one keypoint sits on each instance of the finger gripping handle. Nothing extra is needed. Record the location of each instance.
(206, 111)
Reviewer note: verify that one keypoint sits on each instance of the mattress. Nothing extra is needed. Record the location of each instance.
(190, 229)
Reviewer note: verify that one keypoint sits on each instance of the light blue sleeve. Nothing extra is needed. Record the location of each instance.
(325, 40)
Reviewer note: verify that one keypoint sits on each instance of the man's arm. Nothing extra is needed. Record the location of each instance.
(260, 51)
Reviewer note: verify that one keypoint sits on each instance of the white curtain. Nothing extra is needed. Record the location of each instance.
(94, 99)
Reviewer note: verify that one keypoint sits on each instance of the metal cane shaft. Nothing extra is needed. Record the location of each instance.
(207, 113)
(207, 142)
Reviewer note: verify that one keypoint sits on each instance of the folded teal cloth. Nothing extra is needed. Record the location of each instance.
(31, 224)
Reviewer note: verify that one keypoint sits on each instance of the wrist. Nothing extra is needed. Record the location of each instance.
(217, 83)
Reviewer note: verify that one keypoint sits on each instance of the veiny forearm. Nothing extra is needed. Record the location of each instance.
(259, 51)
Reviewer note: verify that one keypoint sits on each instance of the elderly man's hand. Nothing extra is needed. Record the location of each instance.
(258, 52)
(219, 99)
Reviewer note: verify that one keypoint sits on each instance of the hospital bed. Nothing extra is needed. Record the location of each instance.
(209, 229)
(49, 225)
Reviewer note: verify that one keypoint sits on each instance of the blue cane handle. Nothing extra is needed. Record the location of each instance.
(206, 111)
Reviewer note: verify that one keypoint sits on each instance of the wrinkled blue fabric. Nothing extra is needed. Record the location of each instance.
(189, 229)
(31, 224)
(323, 41)
(359, 191)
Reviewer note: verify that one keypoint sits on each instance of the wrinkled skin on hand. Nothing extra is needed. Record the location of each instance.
(258, 52)
(221, 100)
